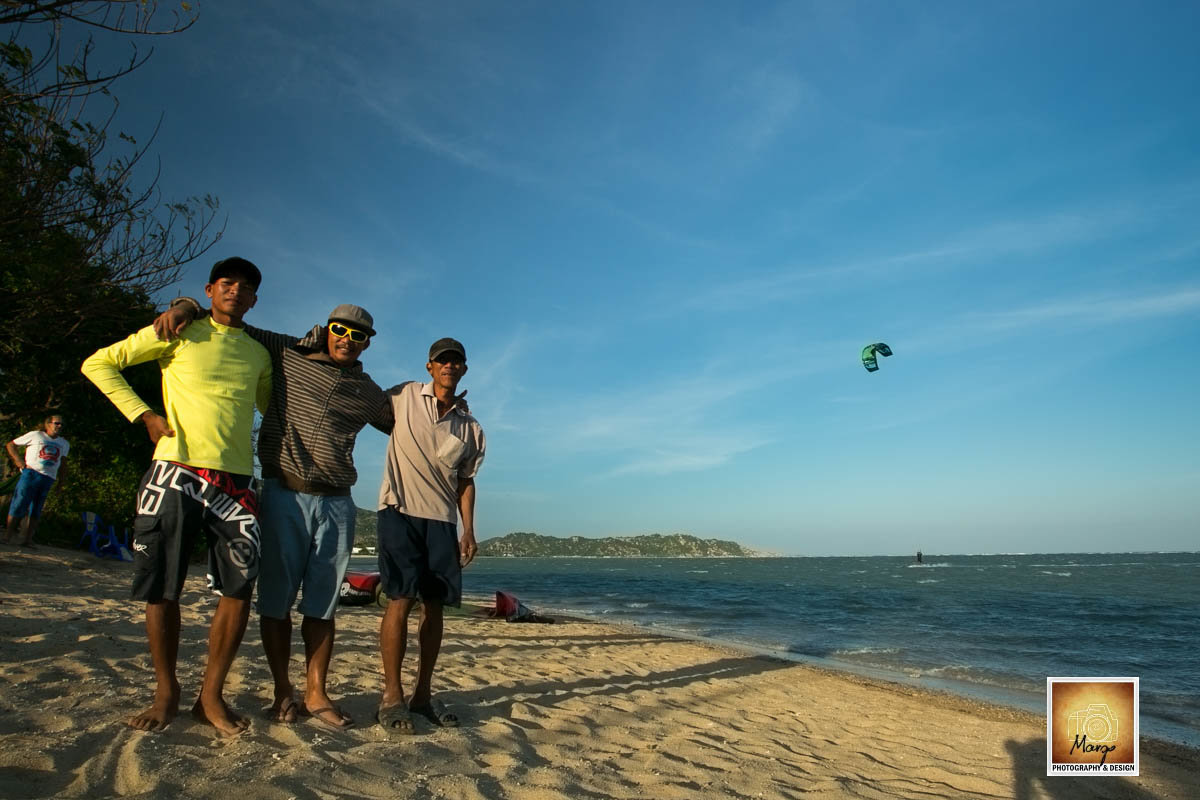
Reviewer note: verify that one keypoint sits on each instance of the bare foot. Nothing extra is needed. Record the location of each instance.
(220, 716)
(159, 714)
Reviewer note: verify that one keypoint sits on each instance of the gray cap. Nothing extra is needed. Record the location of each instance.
(354, 316)
(447, 345)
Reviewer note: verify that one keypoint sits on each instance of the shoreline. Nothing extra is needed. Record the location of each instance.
(1017, 700)
(938, 663)
(1026, 705)
(571, 709)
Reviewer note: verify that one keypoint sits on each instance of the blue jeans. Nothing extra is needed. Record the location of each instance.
(30, 494)
(306, 541)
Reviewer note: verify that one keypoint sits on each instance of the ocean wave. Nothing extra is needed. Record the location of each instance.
(929, 580)
(1059, 574)
(636, 605)
(930, 566)
(956, 671)
(697, 572)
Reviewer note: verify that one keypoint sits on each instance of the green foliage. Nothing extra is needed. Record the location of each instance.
(83, 249)
(366, 528)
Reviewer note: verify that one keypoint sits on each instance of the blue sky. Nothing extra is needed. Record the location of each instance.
(664, 231)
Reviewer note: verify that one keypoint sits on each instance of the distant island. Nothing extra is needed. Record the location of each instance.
(535, 545)
(673, 545)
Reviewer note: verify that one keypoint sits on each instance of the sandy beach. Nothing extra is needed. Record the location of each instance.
(570, 710)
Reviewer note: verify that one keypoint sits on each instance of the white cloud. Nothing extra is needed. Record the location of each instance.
(966, 249)
(690, 453)
(1090, 310)
(677, 427)
(773, 98)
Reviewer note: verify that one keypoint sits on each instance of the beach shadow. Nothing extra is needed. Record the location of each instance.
(1030, 780)
(545, 643)
(498, 701)
(30, 782)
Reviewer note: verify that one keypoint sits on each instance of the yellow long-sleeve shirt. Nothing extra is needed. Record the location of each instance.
(212, 378)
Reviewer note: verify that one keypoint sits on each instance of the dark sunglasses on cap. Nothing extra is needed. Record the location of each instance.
(342, 331)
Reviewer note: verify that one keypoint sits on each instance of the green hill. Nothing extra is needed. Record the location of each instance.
(674, 545)
(534, 545)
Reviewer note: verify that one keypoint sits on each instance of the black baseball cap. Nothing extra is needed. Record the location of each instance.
(235, 266)
(447, 345)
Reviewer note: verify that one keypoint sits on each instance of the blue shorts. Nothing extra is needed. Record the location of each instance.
(30, 495)
(419, 558)
(306, 541)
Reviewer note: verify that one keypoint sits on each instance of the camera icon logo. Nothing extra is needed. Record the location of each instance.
(1097, 722)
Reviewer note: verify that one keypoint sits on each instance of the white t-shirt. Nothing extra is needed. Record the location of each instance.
(43, 453)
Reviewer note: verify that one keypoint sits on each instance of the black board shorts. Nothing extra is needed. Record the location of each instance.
(175, 503)
(419, 558)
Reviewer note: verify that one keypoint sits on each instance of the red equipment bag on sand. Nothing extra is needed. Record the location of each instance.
(513, 610)
(359, 588)
(506, 605)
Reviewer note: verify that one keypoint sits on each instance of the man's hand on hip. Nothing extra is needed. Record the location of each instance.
(157, 426)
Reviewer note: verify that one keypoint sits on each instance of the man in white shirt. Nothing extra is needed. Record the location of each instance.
(45, 450)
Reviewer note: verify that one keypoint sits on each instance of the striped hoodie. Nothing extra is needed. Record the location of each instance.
(317, 409)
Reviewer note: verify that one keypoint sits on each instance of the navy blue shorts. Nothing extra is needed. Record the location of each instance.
(419, 558)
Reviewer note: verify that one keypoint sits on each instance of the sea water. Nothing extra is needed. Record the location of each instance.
(993, 626)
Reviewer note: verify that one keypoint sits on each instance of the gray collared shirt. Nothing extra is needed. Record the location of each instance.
(427, 457)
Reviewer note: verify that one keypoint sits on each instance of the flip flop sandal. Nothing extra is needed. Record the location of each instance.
(436, 713)
(395, 720)
(278, 713)
(315, 713)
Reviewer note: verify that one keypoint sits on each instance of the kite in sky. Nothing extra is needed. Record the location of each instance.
(870, 351)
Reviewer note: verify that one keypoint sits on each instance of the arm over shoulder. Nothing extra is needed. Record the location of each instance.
(385, 416)
(275, 343)
(398, 388)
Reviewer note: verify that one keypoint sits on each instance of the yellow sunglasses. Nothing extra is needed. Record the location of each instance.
(342, 331)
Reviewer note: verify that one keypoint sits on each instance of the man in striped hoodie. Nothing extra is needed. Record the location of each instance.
(321, 399)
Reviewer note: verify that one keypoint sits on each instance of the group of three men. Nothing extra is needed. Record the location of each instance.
(315, 398)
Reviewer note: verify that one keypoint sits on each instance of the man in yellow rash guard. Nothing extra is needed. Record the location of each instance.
(200, 482)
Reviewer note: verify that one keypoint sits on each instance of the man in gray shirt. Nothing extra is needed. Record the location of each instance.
(434, 452)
